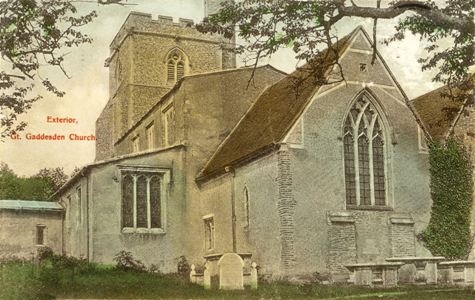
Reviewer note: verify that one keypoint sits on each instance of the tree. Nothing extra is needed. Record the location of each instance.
(33, 34)
(38, 187)
(56, 175)
(305, 25)
(75, 171)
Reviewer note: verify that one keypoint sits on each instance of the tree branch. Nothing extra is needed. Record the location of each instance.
(419, 7)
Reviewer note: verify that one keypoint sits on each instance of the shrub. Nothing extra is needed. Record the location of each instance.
(126, 262)
(154, 269)
(448, 232)
(183, 267)
(45, 253)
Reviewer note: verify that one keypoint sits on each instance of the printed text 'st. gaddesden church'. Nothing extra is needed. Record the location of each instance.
(192, 161)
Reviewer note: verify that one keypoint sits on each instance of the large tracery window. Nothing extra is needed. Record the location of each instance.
(176, 61)
(143, 203)
(363, 148)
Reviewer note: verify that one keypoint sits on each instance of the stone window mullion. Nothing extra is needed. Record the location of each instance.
(363, 132)
(149, 215)
(356, 162)
(135, 201)
(371, 166)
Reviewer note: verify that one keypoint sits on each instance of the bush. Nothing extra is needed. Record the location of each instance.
(45, 253)
(154, 269)
(183, 267)
(54, 267)
(126, 262)
(448, 232)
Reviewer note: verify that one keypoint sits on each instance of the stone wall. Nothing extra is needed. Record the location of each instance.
(214, 104)
(341, 245)
(286, 208)
(138, 70)
(100, 237)
(76, 219)
(302, 200)
(402, 239)
(260, 179)
(18, 233)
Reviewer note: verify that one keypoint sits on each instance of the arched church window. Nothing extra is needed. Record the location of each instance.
(176, 65)
(363, 148)
(246, 208)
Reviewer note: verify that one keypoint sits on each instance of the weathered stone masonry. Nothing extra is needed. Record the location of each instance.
(286, 208)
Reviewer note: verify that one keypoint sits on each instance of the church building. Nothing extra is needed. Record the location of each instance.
(193, 159)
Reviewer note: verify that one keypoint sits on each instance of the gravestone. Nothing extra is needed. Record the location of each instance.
(230, 268)
(207, 276)
(253, 276)
(192, 274)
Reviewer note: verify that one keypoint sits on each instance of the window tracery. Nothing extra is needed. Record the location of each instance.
(363, 149)
(175, 65)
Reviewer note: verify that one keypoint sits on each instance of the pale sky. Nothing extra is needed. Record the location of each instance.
(87, 90)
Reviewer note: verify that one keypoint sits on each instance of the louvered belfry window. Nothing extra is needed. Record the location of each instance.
(363, 148)
(175, 66)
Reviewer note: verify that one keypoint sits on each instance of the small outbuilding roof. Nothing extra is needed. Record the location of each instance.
(30, 205)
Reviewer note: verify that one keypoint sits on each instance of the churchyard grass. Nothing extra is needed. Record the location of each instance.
(24, 280)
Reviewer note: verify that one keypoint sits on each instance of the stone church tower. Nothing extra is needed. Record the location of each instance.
(212, 6)
(147, 58)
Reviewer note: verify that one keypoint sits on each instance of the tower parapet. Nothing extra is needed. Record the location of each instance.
(138, 22)
(147, 57)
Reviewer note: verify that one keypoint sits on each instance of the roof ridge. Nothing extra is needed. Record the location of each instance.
(177, 85)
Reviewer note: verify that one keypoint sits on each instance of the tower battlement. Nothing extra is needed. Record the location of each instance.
(165, 25)
(148, 56)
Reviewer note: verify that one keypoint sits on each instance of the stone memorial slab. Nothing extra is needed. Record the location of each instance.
(231, 272)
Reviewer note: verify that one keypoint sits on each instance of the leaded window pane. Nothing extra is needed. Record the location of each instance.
(142, 202)
(350, 180)
(127, 201)
(367, 147)
(246, 207)
(364, 175)
(141, 199)
(155, 207)
(378, 171)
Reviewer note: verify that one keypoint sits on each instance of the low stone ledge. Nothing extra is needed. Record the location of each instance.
(342, 217)
(415, 259)
(402, 220)
(214, 256)
(369, 207)
(457, 263)
(217, 256)
(374, 265)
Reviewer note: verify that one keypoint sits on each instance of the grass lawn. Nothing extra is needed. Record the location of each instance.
(25, 281)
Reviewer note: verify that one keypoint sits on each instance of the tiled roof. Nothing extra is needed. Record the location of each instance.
(437, 113)
(30, 205)
(273, 114)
